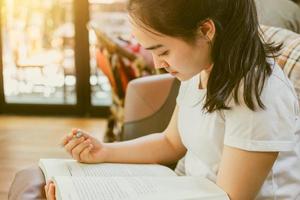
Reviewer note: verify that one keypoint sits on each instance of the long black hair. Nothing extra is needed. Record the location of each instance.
(239, 52)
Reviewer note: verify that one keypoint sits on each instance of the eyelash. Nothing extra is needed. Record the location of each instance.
(164, 53)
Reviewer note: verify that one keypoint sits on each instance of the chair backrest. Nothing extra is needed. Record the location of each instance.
(149, 104)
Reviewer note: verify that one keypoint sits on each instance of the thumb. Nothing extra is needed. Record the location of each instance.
(52, 191)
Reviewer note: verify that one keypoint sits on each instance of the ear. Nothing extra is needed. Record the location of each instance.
(207, 30)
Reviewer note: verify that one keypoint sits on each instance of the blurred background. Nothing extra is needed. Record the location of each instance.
(49, 55)
(63, 64)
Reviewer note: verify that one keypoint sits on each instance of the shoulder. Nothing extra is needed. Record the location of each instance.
(270, 129)
(279, 91)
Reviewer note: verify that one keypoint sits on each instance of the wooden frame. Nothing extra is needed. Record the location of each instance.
(2, 99)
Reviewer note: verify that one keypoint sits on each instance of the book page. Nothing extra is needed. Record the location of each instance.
(65, 167)
(113, 169)
(129, 188)
(54, 167)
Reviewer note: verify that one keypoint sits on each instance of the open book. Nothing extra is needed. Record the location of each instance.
(108, 181)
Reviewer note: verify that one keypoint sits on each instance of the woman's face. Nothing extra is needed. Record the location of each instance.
(179, 58)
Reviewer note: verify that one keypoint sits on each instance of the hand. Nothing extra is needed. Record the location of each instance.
(50, 191)
(85, 149)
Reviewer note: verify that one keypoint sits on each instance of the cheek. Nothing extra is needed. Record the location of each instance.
(174, 61)
(177, 59)
(203, 54)
(181, 60)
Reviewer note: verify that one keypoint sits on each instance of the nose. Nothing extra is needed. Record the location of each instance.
(158, 63)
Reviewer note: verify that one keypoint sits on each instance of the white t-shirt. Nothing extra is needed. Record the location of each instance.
(276, 129)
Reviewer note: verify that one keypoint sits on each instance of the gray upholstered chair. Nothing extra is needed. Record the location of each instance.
(279, 13)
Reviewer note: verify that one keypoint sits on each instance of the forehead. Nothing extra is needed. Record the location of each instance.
(149, 37)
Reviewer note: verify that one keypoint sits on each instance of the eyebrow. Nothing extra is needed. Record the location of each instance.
(154, 47)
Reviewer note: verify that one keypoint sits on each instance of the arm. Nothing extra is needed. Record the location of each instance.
(242, 173)
(162, 148)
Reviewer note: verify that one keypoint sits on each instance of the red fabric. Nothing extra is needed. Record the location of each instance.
(104, 64)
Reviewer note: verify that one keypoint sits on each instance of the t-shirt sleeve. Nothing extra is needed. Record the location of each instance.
(272, 129)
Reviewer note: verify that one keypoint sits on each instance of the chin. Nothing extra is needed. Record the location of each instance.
(182, 78)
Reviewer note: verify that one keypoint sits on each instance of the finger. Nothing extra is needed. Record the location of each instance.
(46, 191)
(65, 140)
(79, 148)
(47, 187)
(83, 133)
(73, 143)
(85, 153)
(52, 191)
(68, 137)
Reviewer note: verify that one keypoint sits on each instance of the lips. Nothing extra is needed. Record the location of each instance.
(171, 72)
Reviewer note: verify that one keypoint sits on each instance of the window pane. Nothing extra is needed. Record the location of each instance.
(38, 51)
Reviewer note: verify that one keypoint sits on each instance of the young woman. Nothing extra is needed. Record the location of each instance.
(237, 114)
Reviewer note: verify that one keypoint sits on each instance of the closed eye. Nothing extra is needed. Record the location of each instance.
(165, 53)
